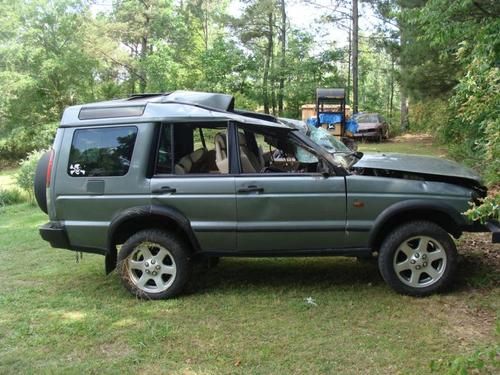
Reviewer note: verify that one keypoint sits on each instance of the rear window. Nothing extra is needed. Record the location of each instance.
(101, 152)
(367, 118)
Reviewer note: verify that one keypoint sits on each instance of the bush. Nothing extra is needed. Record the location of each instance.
(485, 361)
(8, 197)
(26, 175)
(488, 209)
(23, 140)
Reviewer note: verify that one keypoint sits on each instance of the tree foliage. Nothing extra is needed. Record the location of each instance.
(442, 55)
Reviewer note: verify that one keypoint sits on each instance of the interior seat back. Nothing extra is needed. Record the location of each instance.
(250, 163)
(221, 159)
(192, 162)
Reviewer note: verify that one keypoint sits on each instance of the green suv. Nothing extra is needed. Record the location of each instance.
(156, 181)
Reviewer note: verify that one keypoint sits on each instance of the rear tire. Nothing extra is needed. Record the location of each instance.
(418, 258)
(154, 264)
(40, 181)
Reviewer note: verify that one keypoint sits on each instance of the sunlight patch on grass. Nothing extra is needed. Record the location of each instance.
(8, 179)
(124, 323)
(74, 315)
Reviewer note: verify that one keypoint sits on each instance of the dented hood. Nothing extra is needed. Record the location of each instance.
(416, 164)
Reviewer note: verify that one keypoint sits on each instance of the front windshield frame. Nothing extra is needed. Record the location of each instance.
(340, 153)
(321, 152)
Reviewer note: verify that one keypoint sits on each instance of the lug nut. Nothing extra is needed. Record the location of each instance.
(412, 261)
(154, 273)
(425, 264)
(153, 261)
(158, 267)
(417, 267)
(424, 256)
(417, 255)
(148, 271)
(147, 264)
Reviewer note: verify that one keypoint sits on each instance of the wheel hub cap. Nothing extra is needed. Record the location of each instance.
(151, 267)
(420, 261)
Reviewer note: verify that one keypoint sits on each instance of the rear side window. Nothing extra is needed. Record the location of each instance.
(101, 152)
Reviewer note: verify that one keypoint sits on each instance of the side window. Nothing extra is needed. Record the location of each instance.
(164, 157)
(186, 148)
(273, 153)
(101, 151)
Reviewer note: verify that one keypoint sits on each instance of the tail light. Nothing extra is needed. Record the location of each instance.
(49, 169)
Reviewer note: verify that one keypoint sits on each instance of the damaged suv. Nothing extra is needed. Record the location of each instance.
(154, 182)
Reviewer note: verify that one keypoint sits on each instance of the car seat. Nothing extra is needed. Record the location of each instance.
(190, 163)
(221, 159)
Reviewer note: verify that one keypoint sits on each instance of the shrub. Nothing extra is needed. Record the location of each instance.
(23, 140)
(484, 361)
(8, 197)
(488, 209)
(26, 175)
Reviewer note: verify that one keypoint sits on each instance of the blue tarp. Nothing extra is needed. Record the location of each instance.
(351, 126)
(331, 119)
(325, 118)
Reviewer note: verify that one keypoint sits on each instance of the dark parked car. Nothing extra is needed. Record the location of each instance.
(371, 126)
(155, 182)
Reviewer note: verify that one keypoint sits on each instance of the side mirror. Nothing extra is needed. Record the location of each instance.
(324, 169)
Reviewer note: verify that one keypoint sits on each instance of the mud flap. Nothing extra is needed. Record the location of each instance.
(110, 260)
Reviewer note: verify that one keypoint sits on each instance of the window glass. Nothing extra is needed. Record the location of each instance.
(273, 153)
(164, 157)
(101, 152)
(196, 149)
(366, 118)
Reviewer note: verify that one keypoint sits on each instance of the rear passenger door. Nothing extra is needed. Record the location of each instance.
(100, 173)
(191, 175)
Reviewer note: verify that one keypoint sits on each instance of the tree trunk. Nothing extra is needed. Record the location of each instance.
(348, 91)
(281, 92)
(144, 52)
(355, 55)
(391, 95)
(205, 23)
(405, 123)
(404, 99)
(267, 64)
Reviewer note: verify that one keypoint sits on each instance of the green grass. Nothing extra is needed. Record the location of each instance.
(245, 316)
(408, 144)
(7, 179)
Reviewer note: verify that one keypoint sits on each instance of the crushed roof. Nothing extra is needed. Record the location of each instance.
(178, 106)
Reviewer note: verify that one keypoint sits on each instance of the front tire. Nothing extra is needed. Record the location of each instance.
(154, 264)
(418, 258)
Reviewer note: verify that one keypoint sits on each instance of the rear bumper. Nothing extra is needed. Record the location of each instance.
(56, 234)
(368, 134)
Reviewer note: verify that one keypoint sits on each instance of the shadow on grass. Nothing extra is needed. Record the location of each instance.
(270, 274)
(285, 273)
(475, 271)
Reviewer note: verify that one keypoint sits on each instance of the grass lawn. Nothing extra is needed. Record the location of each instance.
(7, 178)
(245, 316)
(408, 144)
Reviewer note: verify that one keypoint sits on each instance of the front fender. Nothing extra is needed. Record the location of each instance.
(406, 208)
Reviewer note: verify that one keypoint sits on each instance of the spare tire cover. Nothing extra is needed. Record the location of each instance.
(40, 182)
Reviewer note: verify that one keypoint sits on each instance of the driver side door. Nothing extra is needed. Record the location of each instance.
(287, 211)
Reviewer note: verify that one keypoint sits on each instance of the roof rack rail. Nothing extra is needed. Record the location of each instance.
(147, 95)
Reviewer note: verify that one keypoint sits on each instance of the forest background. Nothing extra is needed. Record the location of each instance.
(428, 66)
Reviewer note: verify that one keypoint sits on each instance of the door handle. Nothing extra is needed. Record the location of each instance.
(250, 189)
(164, 190)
